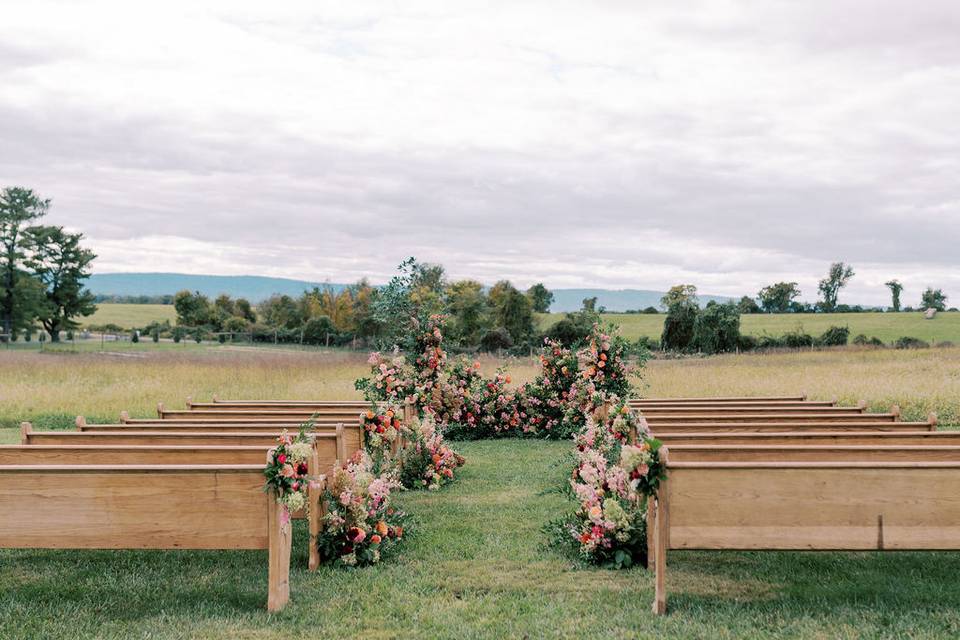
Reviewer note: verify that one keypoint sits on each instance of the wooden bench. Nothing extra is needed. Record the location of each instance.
(146, 507)
(773, 417)
(726, 438)
(748, 411)
(772, 427)
(362, 404)
(829, 504)
(342, 415)
(720, 399)
(330, 446)
(805, 404)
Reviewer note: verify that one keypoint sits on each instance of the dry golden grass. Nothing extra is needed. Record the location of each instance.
(52, 388)
(920, 381)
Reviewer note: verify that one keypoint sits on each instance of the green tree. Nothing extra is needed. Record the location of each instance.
(18, 208)
(777, 297)
(540, 298)
(933, 299)
(682, 310)
(895, 289)
(467, 307)
(748, 305)
(280, 312)
(589, 304)
(515, 314)
(193, 309)
(717, 328)
(427, 284)
(61, 265)
(837, 278)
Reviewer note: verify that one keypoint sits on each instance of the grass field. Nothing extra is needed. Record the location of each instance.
(475, 567)
(129, 316)
(51, 388)
(886, 326)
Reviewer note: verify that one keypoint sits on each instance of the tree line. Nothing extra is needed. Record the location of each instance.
(42, 269)
(780, 297)
(498, 317)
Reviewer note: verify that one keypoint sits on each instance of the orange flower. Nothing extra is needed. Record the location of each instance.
(508, 379)
(382, 528)
(389, 413)
(399, 531)
(369, 415)
(375, 539)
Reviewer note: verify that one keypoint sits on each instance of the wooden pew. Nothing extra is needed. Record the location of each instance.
(352, 434)
(748, 411)
(146, 507)
(659, 430)
(823, 505)
(773, 417)
(804, 404)
(938, 451)
(303, 415)
(722, 399)
(362, 404)
(330, 446)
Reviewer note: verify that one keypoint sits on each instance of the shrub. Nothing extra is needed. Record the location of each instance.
(495, 339)
(651, 311)
(717, 328)
(747, 343)
(319, 331)
(678, 327)
(177, 334)
(573, 330)
(908, 342)
(797, 340)
(134, 336)
(834, 337)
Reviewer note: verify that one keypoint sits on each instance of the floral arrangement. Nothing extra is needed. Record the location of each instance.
(610, 482)
(360, 526)
(427, 461)
(381, 427)
(287, 471)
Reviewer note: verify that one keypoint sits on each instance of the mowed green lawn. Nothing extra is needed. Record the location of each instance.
(129, 316)
(475, 567)
(886, 326)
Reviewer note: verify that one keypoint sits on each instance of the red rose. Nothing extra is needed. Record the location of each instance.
(282, 458)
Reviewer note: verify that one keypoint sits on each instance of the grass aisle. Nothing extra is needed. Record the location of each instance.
(476, 568)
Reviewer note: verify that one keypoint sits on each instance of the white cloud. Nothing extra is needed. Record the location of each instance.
(608, 143)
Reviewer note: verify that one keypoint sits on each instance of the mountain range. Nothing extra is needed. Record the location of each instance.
(257, 288)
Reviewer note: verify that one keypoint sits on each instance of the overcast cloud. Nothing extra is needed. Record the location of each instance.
(609, 144)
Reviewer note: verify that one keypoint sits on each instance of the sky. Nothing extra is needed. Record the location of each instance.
(726, 144)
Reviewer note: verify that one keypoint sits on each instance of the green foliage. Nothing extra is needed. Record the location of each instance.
(319, 331)
(862, 340)
(895, 289)
(933, 299)
(193, 309)
(573, 329)
(134, 336)
(834, 337)
(496, 339)
(717, 328)
(540, 298)
(748, 305)
(60, 264)
(680, 323)
(837, 278)
(908, 342)
(777, 297)
(470, 319)
(19, 295)
(513, 312)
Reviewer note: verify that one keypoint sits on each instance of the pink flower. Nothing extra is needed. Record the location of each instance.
(287, 471)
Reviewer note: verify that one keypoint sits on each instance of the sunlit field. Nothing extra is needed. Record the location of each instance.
(129, 316)
(51, 388)
(886, 326)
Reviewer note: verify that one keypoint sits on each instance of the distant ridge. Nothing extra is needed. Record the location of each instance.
(257, 288)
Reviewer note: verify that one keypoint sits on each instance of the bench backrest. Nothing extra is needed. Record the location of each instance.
(146, 507)
(748, 411)
(772, 417)
(814, 453)
(812, 437)
(717, 399)
(659, 429)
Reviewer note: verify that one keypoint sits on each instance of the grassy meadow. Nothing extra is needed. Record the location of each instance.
(886, 326)
(129, 316)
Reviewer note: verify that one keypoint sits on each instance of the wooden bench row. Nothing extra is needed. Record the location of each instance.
(146, 490)
(849, 485)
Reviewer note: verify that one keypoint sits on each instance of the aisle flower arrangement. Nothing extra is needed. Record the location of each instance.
(382, 427)
(287, 471)
(360, 526)
(427, 461)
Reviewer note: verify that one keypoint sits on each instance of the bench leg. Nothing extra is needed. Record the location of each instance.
(314, 512)
(651, 525)
(660, 553)
(279, 534)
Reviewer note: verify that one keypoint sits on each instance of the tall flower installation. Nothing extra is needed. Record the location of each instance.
(360, 526)
(287, 472)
